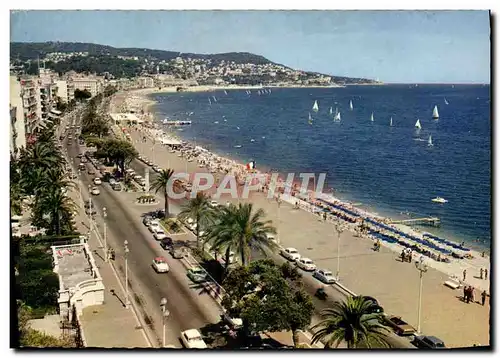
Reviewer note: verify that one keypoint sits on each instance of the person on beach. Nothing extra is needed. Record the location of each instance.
(485, 274)
(465, 274)
(483, 297)
(481, 273)
(465, 293)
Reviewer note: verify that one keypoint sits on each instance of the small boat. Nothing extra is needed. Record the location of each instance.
(225, 120)
(315, 107)
(209, 101)
(225, 92)
(337, 115)
(216, 122)
(440, 200)
(238, 146)
(429, 142)
(310, 120)
(350, 105)
(263, 137)
(331, 111)
(252, 140)
(435, 113)
(215, 99)
(418, 125)
(390, 123)
(371, 118)
(445, 101)
(238, 128)
(258, 92)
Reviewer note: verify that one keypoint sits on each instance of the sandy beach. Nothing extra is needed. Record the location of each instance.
(379, 274)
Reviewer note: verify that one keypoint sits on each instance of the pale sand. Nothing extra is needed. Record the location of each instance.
(361, 269)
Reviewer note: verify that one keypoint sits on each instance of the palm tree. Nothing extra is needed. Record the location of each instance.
(238, 229)
(201, 211)
(160, 185)
(352, 322)
(56, 204)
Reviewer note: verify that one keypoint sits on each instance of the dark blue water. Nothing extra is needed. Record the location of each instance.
(385, 168)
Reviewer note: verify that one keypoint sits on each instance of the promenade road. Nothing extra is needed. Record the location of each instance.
(377, 274)
(188, 309)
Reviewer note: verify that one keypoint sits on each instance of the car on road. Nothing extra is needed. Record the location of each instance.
(112, 181)
(178, 252)
(399, 326)
(156, 168)
(146, 220)
(97, 181)
(428, 342)
(137, 177)
(90, 171)
(192, 339)
(79, 155)
(116, 187)
(160, 265)
(197, 275)
(95, 191)
(306, 264)
(166, 243)
(159, 234)
(290, 253)
(324, 276)
(84, 160)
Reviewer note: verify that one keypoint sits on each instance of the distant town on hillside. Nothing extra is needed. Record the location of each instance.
(239, 68)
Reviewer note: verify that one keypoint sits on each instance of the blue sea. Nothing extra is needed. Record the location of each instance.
(389, 170)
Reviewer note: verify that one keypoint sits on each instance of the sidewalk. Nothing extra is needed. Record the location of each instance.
(110, 325)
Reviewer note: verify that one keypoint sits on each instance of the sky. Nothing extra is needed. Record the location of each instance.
(393, 46)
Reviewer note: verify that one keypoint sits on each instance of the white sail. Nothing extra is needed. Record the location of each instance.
(337, 117)
(315, 106)
(429, 142)
(310, 121)
(331, 110)
(418, 125)
(215, 99)
(350, 105)
(390, 122)
(445, 101)
(371, 118)
(209, 101)
(225, 92)
(435, 113)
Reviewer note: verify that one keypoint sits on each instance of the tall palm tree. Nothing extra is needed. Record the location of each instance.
(56, 205)
(200, 210)
(238, 229)
(351, 322)
(160, 185)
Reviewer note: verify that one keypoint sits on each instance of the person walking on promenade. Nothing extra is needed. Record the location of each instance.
(465, 274)
(410, 254)
(481, 273)
(467, 296)
(465, 293)
(483, 297)
(485, 274)
(472, 294)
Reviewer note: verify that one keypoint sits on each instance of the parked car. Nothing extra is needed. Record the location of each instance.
(95, 191)
(160, 265)
(178, 252)
(306, 264)
(290, 253)
(376, 308)
(324, 276)
(146, 220)
(197, 275)
(192, 339)
(117, 187)
(166, 242)
(154, 225)
(428, 342)
(214, 203)
(159, 234)
(400, 327)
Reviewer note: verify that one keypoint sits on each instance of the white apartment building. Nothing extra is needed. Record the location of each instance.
(17, 132)
(63, 91)
(90, 84)
(145, 82)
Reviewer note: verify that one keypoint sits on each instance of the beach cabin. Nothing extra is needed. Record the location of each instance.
(125, 118)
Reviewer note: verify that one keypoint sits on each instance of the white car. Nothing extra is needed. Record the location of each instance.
(159, 234)
(95, 191)
(97, 181)
(214, 203)
(192, 339)
(272, 238)
(306, 264)
(324, 276)
(290, 254)
(154, 225)
(137, 177)
(160, 265)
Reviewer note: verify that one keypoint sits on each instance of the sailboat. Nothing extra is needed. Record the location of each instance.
(371, 118)
(209, 102)
(337, 116)
(215, 99)
(350, 105)
(225, 92)
(331, 110)
(435, 113)
(390, 124)
(429, 142)
(445, 101)
(315, 106)
(417, 124)
(310, 121)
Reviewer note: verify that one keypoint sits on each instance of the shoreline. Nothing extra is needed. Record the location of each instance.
(371, 208)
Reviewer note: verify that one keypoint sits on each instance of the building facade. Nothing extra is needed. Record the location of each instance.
(17, 130)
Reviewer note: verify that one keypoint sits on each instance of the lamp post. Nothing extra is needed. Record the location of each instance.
(339, 228)
(126, 251)
(104, 216)
(422, 268)
(165, 313)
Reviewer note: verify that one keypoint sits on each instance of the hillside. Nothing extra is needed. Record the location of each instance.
(32, 50)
